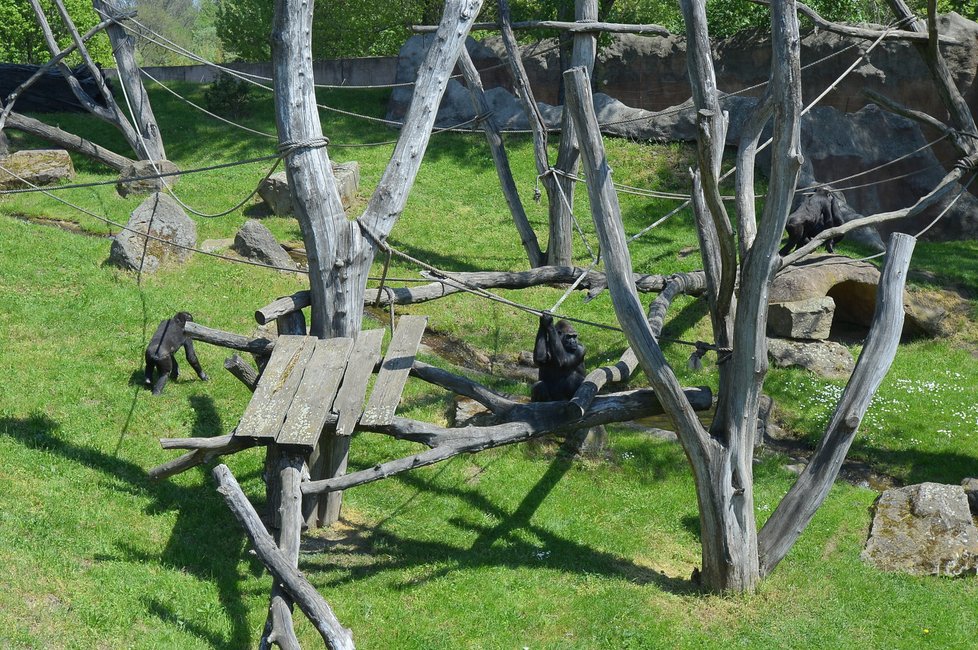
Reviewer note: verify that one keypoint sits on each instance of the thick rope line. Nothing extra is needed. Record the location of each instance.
(196, 170)
(204, 110)
(147, 235)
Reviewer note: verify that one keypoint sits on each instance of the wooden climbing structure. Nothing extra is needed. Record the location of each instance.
(308, 380)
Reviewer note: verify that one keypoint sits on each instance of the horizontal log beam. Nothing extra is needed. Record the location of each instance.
(594, 282)
(529, 421)
(572, 27)
(230, 340)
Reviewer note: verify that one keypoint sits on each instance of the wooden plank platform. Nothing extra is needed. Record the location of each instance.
(307, 378)
(315, 394)
(394, 372)
(266, 411)
(349, 401)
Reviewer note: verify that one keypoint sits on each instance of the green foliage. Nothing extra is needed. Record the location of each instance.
(343, 28)
(228, 97)
(188, 23)
(22, 41)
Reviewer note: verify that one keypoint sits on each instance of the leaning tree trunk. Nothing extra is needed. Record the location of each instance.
(124, 51)
(560, 248)
(340, 251)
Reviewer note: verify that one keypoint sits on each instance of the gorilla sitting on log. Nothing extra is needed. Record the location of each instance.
(818, 212)
(561, 361)
(160, 353)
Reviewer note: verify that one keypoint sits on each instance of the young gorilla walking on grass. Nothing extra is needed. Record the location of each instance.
(561, 361)
(160, 353)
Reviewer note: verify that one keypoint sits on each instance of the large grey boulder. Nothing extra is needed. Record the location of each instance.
(255, 242)
(36, 167)
(852, 285)
(145, 177)
(163, 219)
(274, 190)
(824, 358)
(924, 529)
(801, 319)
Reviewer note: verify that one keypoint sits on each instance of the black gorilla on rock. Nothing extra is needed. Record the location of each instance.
(560, 358)
(160, 353)
(818, 212)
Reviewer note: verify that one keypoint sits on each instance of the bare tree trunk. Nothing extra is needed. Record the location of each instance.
(960, 114)
(124, 50)
(728, 536)
(340, 251)
(69, 141)
(111, 112)
(812, 487)
(560, 245)
(499, 157)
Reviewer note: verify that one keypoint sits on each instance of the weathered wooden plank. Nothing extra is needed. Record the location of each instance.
(394, 371)
(265, 413)
(349, 401)
(314, 398)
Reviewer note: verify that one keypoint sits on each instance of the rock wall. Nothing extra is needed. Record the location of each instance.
(641, 87)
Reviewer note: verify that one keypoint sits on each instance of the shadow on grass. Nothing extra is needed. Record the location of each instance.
(552, 551)
(202, 523)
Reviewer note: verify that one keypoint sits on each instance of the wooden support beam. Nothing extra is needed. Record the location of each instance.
(571, 27)
(280, 565)
(242, 370)
(230, 340)
(394, 372)
(278, 625)
(529, 421)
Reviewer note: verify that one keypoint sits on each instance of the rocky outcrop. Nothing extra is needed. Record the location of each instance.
(255, 242)
(801, 319)
(274, 190)
(173, 235)
(824, 358)
(852, 285)
(146, 177)
(36, 167)
(642, 92)
(924, 529)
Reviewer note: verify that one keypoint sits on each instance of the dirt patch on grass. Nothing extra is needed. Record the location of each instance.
(67, 226)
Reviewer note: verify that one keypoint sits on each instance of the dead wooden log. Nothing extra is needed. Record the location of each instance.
(44, 69)
(230, 340)
(66, 140)
(859, 32)
(573, 28)
(464, 386)
(529, 421)
(498, 150)
(683, 283)
(282, 633)
(202, 453)
(150, 141)
(808, 493)
(278, 625)
(304, 594)
(560, 245)
(594, 282)
(242, 370)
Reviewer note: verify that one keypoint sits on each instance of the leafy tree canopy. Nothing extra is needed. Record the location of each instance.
(348, 28)
(22, 41)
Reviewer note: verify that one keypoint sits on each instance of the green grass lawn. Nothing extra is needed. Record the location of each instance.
(511, 548)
